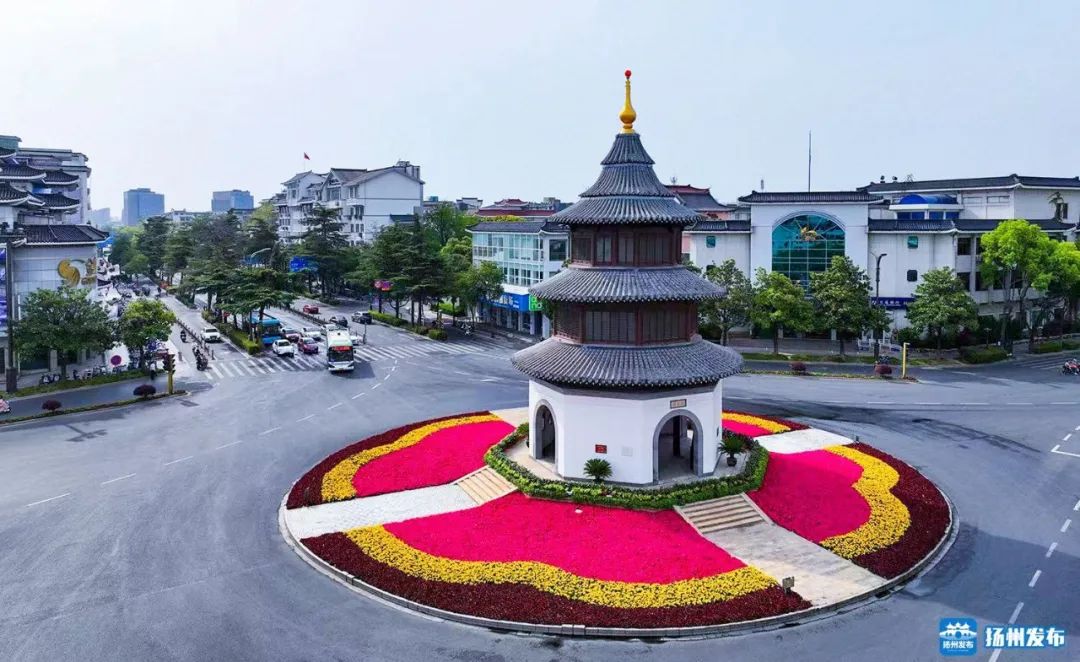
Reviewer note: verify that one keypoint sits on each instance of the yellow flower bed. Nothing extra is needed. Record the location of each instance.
(337, 483)
(383, 546)
(889, 517)
(771, 426)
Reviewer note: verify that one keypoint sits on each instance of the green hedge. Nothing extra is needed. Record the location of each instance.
(1056, 346)
(79, 383)
(627, 497)
(240, 338)
(436, 334)
(448, 309)
(389, 319)
(983, 354)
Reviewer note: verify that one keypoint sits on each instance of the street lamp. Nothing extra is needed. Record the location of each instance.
(877, 297)
(261, 250)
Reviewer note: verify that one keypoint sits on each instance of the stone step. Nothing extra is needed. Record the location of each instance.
(733, 506)
(484, 485)
(748, 520)
(709, 518)
(723, 513)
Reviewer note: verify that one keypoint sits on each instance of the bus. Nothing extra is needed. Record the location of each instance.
(269, 331)
(339, 351)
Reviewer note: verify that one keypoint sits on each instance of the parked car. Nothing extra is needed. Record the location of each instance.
(310, 309)
(292, 335)
(339, 320)
(283, 347)
(308, 345)
(315, 332)
(354, 337)
(211, 334)
(362, 316)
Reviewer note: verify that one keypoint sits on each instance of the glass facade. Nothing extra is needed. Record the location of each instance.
(804, 244)
(520, 256)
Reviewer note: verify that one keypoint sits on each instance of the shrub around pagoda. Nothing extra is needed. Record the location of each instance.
(144, 390)
(50, 405)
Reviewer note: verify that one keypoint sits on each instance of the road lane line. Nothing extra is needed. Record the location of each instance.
(386, 377)
(1019, 404)
(996, 654)
(1066, 437)
(269, 431)
(231, 443)
(306, 418)
(1034, 578)
(334, 406)
(1077, 428)
(357, 396)
(1051, 549)
(1077, 506)
(1055, 450)
(113, 480)
(878, 403)
(1016, 612)
(178, 460)
(1065, 526)
(376, 386)
(61, 496)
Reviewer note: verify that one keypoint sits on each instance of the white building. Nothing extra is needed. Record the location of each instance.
(915, 226)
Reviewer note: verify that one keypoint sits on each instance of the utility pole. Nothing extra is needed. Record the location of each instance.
(877, 297)
(809, 157)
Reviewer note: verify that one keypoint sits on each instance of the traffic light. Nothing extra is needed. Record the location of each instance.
(170, 363)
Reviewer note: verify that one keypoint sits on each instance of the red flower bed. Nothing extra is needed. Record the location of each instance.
(311, 482)
(599, 543)
(811, 494)
(929, 519)
(442, 457)
(518, 602)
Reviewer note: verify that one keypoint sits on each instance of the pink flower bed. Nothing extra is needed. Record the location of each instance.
(442, 457)
(600, 543)
(745, 429)
(811, 494)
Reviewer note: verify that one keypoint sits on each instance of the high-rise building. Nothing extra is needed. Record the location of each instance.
(223, 201)
(140, 203)
(100, 217)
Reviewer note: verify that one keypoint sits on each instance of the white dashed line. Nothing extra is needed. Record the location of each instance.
(334, 406)
(231, 443)
(996, 654)
(1065, 526)
(878, 403)
(375, 387)
(357, 396)
(386, 377)
(1019, 404)
(61, 496)
(269, 431)
(1034, 578)
(1066, 437)
(1016, 612)
(1055, 450)
(1050, 550)
(181, 459)
(306, 418)
(393, 368)
(113, 480)
(1077, 506)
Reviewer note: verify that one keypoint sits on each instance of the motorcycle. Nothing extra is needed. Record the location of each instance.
(1071, 367)
(4, 406)
(183, 336)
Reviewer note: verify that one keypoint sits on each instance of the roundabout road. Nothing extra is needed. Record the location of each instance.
(151, 532)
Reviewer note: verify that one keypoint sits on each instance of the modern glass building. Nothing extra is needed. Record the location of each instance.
(804, 244)
(140, 203)
(223, 201)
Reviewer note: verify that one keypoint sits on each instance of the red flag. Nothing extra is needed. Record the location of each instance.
(306, 157)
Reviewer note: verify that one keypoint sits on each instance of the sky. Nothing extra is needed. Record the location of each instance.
(521, 99)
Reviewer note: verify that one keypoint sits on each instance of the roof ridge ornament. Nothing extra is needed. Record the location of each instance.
(628, 115)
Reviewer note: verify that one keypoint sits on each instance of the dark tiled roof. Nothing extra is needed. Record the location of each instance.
(11, 195)
(809, 197)
(627, 149)
(6, 152)
(627, 179)
(710, 225)
(1007, 181)
(606, 285)
(703, 202)
(59, 178)
(57, 201)
(63, 234)
(695, 363)
(958, 225)
(20, 172)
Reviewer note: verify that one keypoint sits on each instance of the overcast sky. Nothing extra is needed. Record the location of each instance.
(520, 99)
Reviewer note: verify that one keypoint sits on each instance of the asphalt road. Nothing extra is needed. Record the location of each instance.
(150, 533)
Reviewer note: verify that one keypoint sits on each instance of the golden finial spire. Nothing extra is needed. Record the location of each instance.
(627, 116)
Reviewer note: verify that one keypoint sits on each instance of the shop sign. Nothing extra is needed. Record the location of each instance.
(678, 404)
(601, 449)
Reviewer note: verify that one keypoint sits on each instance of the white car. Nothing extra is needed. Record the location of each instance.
(211, 334)
(355, 338)
(315, 332)
(283, 347)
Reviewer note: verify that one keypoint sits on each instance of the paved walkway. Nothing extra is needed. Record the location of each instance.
(798, 441)
(379, 509)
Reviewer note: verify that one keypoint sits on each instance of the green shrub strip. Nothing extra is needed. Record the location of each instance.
(78, 383)
(606, 494)
(85, 408)
(983, 355)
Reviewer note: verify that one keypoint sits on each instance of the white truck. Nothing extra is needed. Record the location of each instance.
(339, 351)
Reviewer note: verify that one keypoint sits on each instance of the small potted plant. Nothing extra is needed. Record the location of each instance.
(598, 469)
(798, 367)
(732, 446)
(50, 405)
(883, 370)
(144, 390)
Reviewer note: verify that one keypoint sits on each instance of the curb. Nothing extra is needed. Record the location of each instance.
(570, 630)
(140, 374)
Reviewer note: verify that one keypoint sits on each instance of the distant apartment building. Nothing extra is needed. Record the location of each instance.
(523, 209)
(467, 205)
(100, 218)
(368, 200)
(141, 203)
(223, 201)
(66, 174)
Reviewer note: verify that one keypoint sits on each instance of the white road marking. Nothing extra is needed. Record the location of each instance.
(1077, 428)
(1016, 612)
(61, 496)
(996, 654)
(386, 377)
(1065, 526)
(878, 403)
(1077, 506)
(376, 386)
(334, 406)
(113, 480)
(490, 379)
(357, 396)
(1034, 578)
(1062, 403)
(1066, 437)
(178, 460)
(306, 418)
(394, 366)
(1050, 550)
(231, 443)
(269, 431)
(1055, 450)
(1019, 404)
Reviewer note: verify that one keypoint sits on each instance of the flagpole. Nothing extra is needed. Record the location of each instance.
(809, 157)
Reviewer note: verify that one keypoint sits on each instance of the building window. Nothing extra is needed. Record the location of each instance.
(805, 244)
(582, 248)
(997, 199)
(937, 215)
(963, 246)
(912, 275)
(664, 324)
(912, 241)
(654, 248)
(557, 250)
(626, 248)
(1061, 210)
(610, 326)
(973, 199)
(605, 244)
(911, 216)
(710, 241)
(965, 278)
(980, 284)
(952, 215)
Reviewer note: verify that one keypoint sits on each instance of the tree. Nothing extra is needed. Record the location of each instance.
(256, 289)
(151, 243)
(144, 320)
(123, 247)
(842, 298)
(67, 321)
(457, 261)
(446, 222)
(734, 309)
(179, 248)
(261, 232)
(779, 303)
(323, 242)
(1019, 255)
(942, 305)
(137, 264)
(483, 282)
(1064, 286)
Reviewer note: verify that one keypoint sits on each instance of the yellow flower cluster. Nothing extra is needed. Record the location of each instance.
(771, 426)
(889, 517)
(385, 547)
(337, 483)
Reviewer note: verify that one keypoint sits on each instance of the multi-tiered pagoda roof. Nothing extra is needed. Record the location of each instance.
(625, 308)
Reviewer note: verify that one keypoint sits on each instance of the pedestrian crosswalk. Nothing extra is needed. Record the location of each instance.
(1048, 362)
(256, 366)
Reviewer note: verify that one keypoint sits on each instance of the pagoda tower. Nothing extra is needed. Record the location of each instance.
(625, 376)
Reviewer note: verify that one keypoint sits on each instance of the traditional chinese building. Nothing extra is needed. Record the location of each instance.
(625, 376)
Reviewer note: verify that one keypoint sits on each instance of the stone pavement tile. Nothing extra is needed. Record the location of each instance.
(820, 576)
(520, 453)
(379, 509)
(798, 441)
(515, 416)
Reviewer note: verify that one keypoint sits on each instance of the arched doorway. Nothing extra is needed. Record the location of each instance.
(545, 433)
(677, 448)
